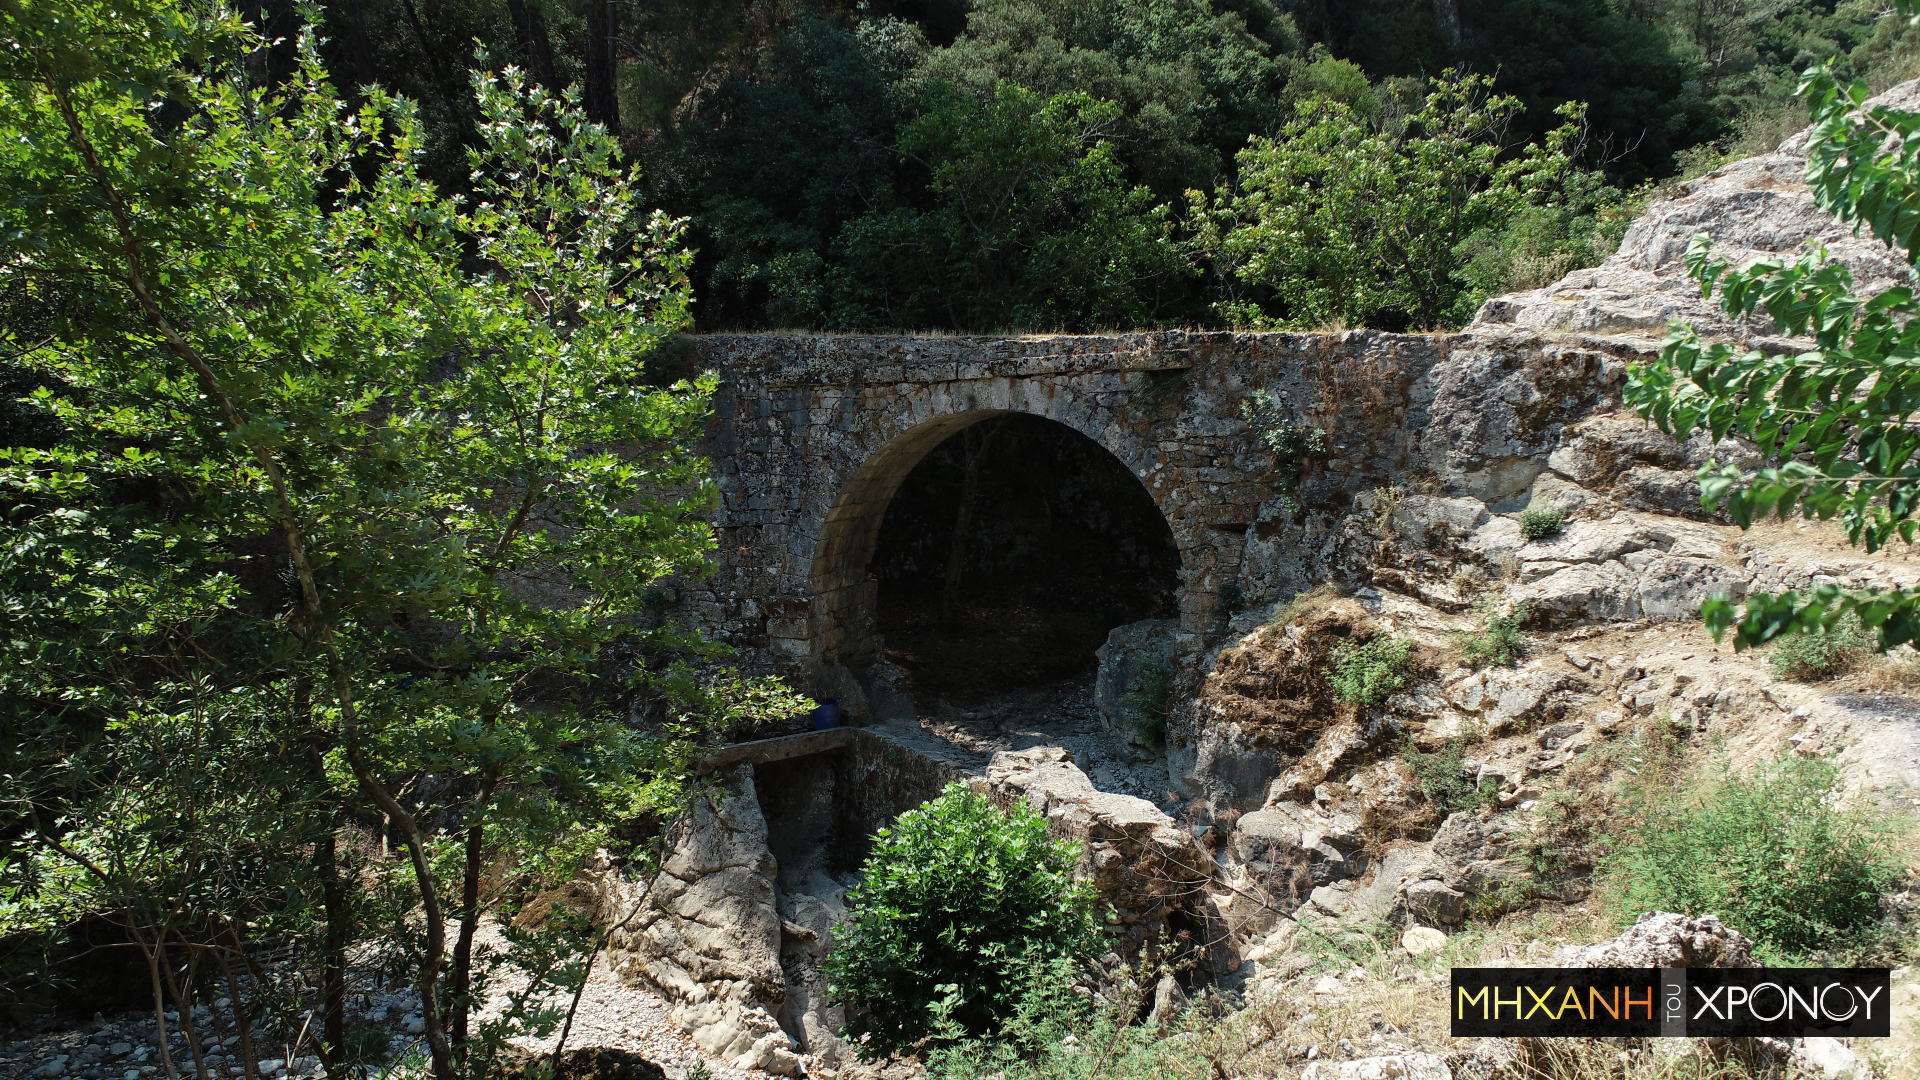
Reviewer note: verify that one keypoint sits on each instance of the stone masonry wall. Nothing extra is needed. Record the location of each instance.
(811, 436)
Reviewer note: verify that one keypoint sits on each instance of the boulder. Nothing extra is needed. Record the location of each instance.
(1133, 854)
(1421, 940)
(1664, 939)
(707, 933)
(1754, 208)
(1426, 518)
(1119, 663)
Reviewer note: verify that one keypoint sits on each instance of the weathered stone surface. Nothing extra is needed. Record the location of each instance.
(1753, 208)
(1120, 661)
(707, 935)
(1387, 1067)
(1134, 855)
(1664, 939)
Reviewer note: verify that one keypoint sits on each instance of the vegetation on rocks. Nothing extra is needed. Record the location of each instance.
(1542, 522)
(1145, 702)
(1363, 673)
(1498, 641)
(1831, 423)
(1771, 853)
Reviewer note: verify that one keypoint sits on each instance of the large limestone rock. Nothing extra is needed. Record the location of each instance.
(1134, 855)
(1756, 208)
(1664, 939)
(707, 934)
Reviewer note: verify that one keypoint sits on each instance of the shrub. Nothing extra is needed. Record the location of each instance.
(1442, 776)
(1364, 673)
(1542, 523)
(1290, 442)
(1498, 641)
(366, 1044)
(958, 905)
(1144, 705)
(1822, 654)
(1771, 854)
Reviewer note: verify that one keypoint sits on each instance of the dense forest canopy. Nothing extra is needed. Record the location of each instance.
(988, 165)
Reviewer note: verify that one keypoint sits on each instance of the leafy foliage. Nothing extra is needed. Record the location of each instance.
(1290, 442)
(1499, 641)
(1364, 673)
(1643, 90)
(1191, 78)
(959, 907)
(1770, 853)
(1538, 523)
(1339, 221)
(1145, 702)
(1814, 655)
(1032, 223)
(1442, 776)
(354, 483)
(1833, 424)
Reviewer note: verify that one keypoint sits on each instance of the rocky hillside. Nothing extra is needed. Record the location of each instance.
(1326, 859)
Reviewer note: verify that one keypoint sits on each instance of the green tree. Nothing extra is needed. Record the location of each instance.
(1833, 423)
(959, 907)
(1191, 77)
(355, 484)
(1032, 224)
(770, 168)
(1341, 221)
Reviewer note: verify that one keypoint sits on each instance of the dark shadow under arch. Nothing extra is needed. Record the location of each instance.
(1064, 544)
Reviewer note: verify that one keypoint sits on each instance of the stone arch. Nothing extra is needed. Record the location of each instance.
(843, 596)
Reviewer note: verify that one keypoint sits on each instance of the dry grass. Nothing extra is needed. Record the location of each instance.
(1897, 672)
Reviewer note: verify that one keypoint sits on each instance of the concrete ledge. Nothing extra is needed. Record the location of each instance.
(761, 751)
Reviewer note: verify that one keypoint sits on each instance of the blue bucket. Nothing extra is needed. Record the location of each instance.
(827, 714)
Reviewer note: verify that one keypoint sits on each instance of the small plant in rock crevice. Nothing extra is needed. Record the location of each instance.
(1541, 523)
(1498, 641)
(1442, 776)
(1364, 673)
(1290, 442)
(1144, 705)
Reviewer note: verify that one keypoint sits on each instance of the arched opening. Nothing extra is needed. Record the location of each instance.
(1007, 553)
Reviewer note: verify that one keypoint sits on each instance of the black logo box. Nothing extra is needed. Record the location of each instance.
(1671, 1002)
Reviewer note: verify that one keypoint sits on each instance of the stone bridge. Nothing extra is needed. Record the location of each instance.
(811, 437)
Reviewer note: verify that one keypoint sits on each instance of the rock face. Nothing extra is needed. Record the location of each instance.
(1149, 869)
(1756, 208)
(1120, 659)
(706, 934)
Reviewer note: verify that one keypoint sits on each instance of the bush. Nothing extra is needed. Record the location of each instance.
(1442, 776)
(1771, 854)
(1542, 523)
(958, 905)
(1499, 641)
(1144, 705)
(1811, 657)
(1365, 673)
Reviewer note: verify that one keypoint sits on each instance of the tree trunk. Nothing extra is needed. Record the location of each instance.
(602, 100)
(530, 26)
(969, 490)
(460, 974)
(333, 966)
